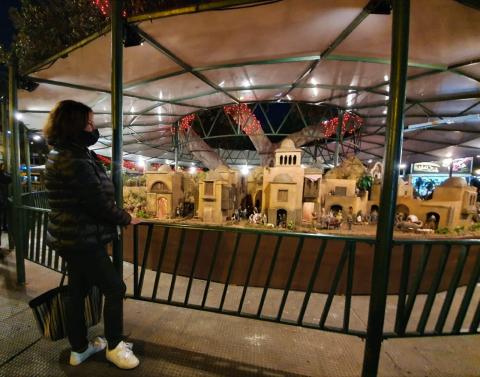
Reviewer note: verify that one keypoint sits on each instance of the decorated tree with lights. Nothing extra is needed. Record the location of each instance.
(45, 28)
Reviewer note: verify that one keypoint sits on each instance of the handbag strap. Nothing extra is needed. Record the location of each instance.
(64, 272)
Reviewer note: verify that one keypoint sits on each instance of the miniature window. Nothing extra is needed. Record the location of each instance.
(159, 187)
(294, 160)
(281, 160)
(340, 191)
(282, 196)
(289, 160)
(209, 188)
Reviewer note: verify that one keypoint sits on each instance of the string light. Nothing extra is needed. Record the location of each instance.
(186, 122)
(351, 122)
(105, 8)
(244, 117)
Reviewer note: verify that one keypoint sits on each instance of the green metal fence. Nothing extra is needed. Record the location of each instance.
(310, 280)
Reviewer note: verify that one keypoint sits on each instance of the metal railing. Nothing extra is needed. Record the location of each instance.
(310, 280)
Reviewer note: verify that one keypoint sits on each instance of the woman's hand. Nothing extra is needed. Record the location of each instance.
(135, 221)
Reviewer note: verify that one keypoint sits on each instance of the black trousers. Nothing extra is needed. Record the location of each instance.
(86, 269)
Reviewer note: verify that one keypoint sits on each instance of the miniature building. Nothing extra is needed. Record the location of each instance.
(339, 188)
(255, 187)
(164, 192)
(217, 197)
(453, 204)
(283, 185)
(312, 184)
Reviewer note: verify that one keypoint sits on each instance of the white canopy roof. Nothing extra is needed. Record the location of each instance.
(329, 51)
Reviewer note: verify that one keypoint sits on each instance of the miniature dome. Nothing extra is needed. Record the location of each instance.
(287, 143)
(454, 182)
(165, 169)
(282, 178)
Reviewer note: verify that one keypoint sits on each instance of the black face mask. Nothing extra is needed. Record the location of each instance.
(88, 138)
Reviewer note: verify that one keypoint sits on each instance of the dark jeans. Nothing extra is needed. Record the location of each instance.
(84, 270)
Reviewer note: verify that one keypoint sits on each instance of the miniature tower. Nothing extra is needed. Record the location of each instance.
(283, 185)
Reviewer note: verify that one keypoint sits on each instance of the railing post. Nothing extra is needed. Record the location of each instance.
(117, 120)
(18, 230)
(388, 198)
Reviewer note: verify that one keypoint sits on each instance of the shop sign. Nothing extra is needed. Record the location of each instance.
(432, 167)
(462, 165)
(459, 166)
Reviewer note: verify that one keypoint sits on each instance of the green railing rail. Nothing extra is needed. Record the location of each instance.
(35, 218)
(311, 280)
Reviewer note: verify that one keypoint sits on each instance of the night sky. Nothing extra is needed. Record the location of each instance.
(6, 28)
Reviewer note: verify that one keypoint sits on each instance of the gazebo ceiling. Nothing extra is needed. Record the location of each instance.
(319, 52)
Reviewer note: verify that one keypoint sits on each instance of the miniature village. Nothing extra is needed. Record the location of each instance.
(288, 196)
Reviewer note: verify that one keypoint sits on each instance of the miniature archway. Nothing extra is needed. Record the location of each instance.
(336, 208)
(402, 209)
(432, 219)
(162, 208)
(281, 217)
(258, 200)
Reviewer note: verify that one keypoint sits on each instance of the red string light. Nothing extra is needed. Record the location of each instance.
(244, 117)
(105, 8)
(186, 122)
(351, 122)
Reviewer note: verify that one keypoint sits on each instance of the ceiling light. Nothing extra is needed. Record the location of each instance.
(18, 116)
(385, 77)
(221, 84)
(192, 170)
(370, 161)
(37, 137)
(289, 98)
(313, 81)
(245, 170)
(446, 162)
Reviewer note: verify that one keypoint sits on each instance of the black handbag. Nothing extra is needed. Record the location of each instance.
(50, 311)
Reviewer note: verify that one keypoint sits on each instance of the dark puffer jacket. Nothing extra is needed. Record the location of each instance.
(81, 198)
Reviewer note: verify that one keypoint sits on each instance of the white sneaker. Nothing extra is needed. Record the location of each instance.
(122, 356)
(96, 345)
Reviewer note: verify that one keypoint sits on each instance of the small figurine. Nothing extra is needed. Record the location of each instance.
(350, 218)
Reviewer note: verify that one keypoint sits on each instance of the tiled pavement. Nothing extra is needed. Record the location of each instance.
(173, 341)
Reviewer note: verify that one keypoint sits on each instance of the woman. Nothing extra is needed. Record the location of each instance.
(83, 219)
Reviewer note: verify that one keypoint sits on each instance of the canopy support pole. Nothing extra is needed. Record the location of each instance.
(5, 136)
(175, 144)
(388, 198)
(117, 121)
(336, 157)
(26, 151)
(18, 231)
